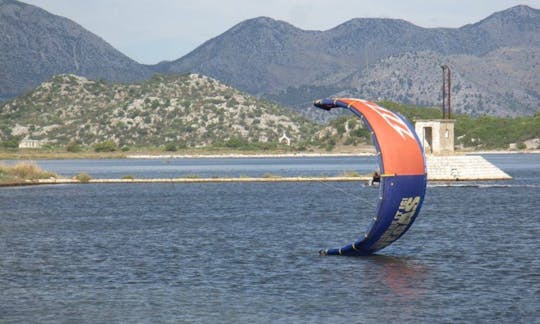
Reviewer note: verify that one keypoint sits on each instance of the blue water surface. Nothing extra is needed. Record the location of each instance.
(212, 167)
(247, 252)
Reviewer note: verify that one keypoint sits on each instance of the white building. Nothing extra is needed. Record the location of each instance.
(285, 140)
(436, 135)
(29, 143)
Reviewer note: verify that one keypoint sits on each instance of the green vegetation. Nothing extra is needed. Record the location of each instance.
(83, 177)
(476, 133)
(271, 176)
(12, 143)
(488, 132)
(73, 147)
(350, 174)
(484, 132)
(105, 146)
(22, 172)
(170, 147)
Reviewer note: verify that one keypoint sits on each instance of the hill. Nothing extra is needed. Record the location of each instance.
(185, 110)
(274, 59)
(195, 111)
(37, 45)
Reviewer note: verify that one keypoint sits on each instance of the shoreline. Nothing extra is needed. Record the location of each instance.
(59, 181)
(296, 155)
(36, 155)
(274, 179)
(240, 156)
(497, 152)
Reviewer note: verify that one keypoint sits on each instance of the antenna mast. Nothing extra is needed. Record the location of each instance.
(446, 94)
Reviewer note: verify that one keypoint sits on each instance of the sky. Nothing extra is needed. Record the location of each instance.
(150, 31)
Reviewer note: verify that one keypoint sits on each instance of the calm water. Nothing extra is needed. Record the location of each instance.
(247, 252)
(226, 167)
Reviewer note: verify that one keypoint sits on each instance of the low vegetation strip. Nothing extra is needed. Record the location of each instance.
(24, 172)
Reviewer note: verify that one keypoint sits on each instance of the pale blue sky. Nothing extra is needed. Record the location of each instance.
(150, 31)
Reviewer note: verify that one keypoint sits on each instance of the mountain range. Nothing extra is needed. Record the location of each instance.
(494, 62)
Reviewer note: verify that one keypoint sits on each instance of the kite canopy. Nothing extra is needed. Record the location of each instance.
(403, 174)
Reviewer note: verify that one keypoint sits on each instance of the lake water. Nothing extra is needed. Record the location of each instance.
(210, 167)
(247, 252)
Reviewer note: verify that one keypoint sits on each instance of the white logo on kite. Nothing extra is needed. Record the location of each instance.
(402, 219)
(392, 119)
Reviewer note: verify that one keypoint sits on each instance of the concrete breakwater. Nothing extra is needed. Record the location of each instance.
(202, 180)
(439, 168)
(462, 168)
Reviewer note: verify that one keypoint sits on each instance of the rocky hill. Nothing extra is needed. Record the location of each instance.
(37, 45)
(187, 110)
(279, 61)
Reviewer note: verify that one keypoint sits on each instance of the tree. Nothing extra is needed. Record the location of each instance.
(170, 147)
(73, 146)
(11, 144)
(105, 146)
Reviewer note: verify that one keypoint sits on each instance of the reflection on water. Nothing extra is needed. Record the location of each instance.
(404, 278)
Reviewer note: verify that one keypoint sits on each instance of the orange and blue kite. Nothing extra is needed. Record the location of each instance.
(403, 175)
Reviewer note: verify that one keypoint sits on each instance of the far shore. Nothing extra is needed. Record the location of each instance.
(240, 155)
(293, 155)
(29, 154)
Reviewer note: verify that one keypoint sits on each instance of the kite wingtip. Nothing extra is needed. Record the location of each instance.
(322, 104)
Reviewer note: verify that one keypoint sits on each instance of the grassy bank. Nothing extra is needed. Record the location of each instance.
(23, 172)
(37, 154)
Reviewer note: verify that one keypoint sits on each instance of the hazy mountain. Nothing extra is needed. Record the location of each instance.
(258, 56)
(275, 59)
(494, 61)
(493, 83)
(37, 45)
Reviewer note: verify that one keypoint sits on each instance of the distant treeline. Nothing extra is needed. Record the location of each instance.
(481, 133)
(484, 132)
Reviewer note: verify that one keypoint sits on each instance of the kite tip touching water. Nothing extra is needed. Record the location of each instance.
(403, 175)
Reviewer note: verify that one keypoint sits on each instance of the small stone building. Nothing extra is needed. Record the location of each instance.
(29, 143)
(436, 136)
(285, 140)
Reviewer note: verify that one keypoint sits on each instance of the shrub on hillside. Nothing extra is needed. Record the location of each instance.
(10, 144)
(170, 147)
(73, 147)
(105, 146)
